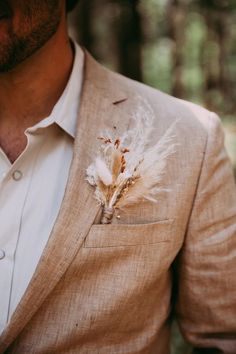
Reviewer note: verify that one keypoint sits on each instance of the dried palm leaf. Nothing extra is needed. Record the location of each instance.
(128, 169)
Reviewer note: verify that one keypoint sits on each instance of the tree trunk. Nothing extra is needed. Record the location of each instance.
(130, 39)
(85, 20)
(215, 54)
(176, 16)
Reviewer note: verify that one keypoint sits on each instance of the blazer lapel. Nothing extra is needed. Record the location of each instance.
(98, 110)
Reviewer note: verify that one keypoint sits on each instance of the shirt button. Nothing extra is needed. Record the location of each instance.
(2, 254)
(17, 175)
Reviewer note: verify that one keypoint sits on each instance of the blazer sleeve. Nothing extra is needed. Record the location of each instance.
(206, 266)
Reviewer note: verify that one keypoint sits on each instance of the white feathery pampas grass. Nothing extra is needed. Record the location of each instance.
(129, 171)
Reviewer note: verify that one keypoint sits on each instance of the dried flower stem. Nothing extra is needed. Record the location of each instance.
(107, 215)
(129, 170)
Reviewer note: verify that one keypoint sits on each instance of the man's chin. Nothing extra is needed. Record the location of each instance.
(5, 68)
(8, 61)
(4, 28)
(6, 58)
(12, 53)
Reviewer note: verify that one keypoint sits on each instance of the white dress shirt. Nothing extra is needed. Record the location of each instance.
(31, 192)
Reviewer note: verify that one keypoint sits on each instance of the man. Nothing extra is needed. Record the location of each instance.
(67, 283)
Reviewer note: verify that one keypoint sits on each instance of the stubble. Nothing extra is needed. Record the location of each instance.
(39, 22)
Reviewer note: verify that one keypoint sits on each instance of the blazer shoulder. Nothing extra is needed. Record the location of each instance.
(166, 107)
(194, 119)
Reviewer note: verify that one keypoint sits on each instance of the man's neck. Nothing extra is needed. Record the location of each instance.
(29, 92)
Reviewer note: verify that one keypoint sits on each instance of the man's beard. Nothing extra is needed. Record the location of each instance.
(40, 21)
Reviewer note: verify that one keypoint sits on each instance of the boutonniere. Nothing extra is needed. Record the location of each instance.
(127, 169)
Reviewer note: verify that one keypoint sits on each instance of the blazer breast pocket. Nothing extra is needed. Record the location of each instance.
(115, 235)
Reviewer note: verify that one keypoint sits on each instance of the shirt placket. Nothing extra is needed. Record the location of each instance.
(14, 186)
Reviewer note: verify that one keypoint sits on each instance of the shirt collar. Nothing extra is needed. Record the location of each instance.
(65, 111)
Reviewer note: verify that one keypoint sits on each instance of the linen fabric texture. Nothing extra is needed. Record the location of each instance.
(114, 288)
(29, 205)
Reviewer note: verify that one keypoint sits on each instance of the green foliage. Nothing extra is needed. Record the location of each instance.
(156, 64)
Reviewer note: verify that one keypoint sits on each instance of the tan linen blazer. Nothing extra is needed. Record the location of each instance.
(112, 289)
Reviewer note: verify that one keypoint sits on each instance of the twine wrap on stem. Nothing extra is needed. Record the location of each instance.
(107, 215)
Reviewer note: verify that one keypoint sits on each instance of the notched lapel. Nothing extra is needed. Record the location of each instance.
(79, 207)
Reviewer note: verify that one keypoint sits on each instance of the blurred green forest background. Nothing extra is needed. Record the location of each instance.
(186, 48)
